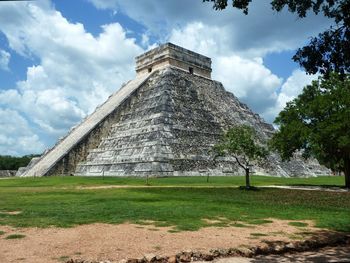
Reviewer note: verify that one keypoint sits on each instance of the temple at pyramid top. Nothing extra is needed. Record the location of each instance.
(175, 56)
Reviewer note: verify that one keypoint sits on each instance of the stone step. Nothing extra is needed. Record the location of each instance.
(181, 121)
(127, 153)
(149, 131)
(136, 145)
(128, 169)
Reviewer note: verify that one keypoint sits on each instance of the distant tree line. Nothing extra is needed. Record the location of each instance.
(8, 162)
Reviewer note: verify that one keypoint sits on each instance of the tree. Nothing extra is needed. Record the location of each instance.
(8, 162)
(329, 51)
(317, 123)
(241, 143)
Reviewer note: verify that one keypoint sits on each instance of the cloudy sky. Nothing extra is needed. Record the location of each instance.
(59, 59)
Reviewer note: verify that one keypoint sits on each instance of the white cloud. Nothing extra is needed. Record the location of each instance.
(246, 77)
(293, 86)
(4, 59)
(203, 39)
(236, 43)
(77, 71)
(290, 89)
(242, 74)
(16, 136)
(261, 31)
(104, 4)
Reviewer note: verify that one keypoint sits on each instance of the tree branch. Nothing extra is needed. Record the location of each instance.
(239, 163)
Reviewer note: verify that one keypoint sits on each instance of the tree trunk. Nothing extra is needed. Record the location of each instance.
(247, 179)
(347, 172)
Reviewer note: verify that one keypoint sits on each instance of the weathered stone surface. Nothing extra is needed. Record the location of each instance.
(63, 157)
(184, 256)
(170, 126)
(175, 56)
(150, 257)
(207, 257)
(7, 173)
(165, 125)
(320, 240)
(172, 259)
(23, 170)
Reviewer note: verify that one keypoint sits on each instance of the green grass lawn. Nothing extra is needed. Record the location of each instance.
(57, 201)
(229, 181)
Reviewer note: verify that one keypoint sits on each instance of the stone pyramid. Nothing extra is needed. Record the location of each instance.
(162, 123)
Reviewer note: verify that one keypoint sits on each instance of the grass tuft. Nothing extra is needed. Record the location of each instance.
(174, 231)
(15, 236)
(259, 221)
(258, 234)
(63, 258)
(239, 225)
(157, 247)
(298, 224)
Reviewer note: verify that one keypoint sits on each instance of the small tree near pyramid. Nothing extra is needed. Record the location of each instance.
(241, 143)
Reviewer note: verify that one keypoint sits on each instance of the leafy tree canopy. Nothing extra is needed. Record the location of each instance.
(13, 163)
(329, 51)
(241, 143)
(317, 122)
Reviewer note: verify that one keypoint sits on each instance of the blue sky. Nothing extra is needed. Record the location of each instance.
(59, 59)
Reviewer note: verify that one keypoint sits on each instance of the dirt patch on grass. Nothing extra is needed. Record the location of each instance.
(115, 242)
(12, 213)
(211, 221)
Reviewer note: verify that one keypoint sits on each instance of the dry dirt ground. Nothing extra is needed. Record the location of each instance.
(116, 242)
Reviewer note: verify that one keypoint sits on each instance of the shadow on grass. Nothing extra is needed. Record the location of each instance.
(249, 188)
